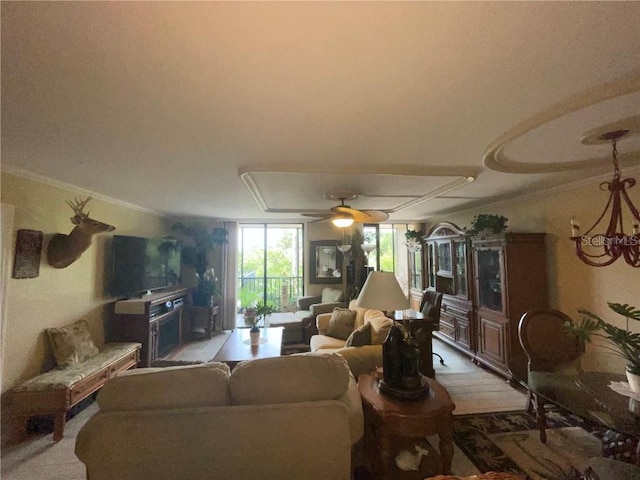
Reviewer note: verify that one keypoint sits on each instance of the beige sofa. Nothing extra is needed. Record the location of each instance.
(278, 418)
(361, 359)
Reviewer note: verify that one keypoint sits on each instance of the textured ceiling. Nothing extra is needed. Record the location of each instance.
(257, 110)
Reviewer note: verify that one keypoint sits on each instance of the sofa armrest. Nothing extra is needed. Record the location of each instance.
(364, 359)
(322, 322)
(318, 308)
(305, 302)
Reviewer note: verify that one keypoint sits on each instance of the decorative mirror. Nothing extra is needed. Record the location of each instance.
(325, 262)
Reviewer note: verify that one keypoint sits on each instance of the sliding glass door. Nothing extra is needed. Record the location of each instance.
(270, 266)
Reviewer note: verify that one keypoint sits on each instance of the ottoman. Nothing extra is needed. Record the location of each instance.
(292, 326)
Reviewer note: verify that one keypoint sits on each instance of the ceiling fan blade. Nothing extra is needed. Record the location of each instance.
(376, 216)
(317, 215)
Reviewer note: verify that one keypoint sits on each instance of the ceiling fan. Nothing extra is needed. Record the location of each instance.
(344, 216)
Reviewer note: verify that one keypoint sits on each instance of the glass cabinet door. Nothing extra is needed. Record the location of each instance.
(489, 271)
(431, 274)
(416, 269)
(460, 265)
(444, 257)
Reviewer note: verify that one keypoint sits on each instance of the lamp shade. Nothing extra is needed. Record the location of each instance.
(381, 291)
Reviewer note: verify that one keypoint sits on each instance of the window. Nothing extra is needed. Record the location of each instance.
(270, 268)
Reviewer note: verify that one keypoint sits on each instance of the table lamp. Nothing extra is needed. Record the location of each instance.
(381, 291)
(401, 378)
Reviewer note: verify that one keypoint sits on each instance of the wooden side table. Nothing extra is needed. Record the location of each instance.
(386, 419)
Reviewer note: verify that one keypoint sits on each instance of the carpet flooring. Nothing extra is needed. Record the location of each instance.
(510, 442)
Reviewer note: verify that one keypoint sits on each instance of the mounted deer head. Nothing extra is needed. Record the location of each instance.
(63, 249)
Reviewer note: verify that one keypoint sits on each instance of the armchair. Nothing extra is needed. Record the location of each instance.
(309, 307)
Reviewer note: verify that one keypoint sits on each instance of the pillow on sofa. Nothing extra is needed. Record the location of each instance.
(359, 337)
(72, 344)
(341, 323)
(380, 325)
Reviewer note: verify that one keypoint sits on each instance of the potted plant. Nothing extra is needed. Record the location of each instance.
(623, 342)
(413, 240)
(195, 253)
(487, 224)
(253, 316)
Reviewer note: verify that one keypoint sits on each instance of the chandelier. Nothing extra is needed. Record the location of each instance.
(602, 249)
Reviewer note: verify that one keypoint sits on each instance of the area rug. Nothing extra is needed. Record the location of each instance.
(510, 442)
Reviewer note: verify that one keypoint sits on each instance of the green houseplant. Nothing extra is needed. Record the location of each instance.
(487, 224)
(622, 342)
(253, 316)
(195, 253)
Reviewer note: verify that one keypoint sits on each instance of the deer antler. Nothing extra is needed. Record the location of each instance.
(79, 206)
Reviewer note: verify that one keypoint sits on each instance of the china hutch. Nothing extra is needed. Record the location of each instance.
(487, 282)
(448, 266)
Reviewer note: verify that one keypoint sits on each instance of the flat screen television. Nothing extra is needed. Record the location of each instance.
(143, 264)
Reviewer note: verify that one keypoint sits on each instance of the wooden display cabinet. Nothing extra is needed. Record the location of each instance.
(448, 271)
(510, 278)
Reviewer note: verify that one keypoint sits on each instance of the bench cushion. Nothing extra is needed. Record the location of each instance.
(69, 376)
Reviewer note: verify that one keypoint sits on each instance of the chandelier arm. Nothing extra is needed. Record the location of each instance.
(586, 258)
(634, 211)
(616, 213)
(606, 208)
(632, 255)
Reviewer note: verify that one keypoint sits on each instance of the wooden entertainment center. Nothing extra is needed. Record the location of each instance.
(155, 320)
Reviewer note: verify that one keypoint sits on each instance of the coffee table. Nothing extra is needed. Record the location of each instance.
(388, 420)
(238, 346)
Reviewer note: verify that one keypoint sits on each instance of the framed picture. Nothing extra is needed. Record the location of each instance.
(26, 263)
(326, 262)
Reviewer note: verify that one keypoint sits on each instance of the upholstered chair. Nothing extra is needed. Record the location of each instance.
(430, 306)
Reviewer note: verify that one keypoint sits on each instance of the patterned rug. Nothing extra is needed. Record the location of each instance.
(510, 442)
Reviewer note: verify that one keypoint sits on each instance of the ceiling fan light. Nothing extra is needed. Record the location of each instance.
(342, 221)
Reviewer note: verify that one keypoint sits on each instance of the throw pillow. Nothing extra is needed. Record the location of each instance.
(72, 344)
(341, 323)
(359, 337)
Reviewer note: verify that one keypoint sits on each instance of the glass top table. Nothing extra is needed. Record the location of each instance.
(588, 395)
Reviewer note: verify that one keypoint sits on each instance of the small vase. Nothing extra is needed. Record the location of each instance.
(254, 334)
(634, 381)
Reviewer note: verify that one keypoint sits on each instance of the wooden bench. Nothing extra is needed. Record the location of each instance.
(56, 391)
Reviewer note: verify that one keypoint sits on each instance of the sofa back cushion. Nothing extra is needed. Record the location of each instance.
(294, 378)
(202, 385)
(380, 325)
(332, 295)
